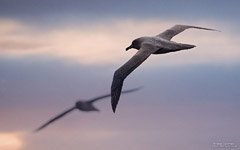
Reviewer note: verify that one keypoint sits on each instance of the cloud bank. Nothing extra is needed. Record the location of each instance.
(105, 42)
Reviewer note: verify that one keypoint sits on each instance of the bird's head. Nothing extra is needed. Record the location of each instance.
(135, 44)
(79, 104)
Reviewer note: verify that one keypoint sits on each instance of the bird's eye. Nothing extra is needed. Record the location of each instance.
(134, 43)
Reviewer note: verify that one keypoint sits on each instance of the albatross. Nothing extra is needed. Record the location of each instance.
(85, 106)
(147, 45)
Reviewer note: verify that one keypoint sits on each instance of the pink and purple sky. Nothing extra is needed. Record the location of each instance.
(53, 53)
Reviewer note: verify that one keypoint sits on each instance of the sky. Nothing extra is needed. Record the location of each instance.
(53, 53)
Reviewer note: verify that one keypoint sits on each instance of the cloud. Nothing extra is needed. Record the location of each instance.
(103, 43)
(50, 11)
(11, 141)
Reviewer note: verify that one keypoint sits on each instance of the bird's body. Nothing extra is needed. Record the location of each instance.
(159, 44)
(85, 106)
(163, 46)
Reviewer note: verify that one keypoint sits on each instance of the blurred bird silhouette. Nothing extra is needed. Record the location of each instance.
(85, 106)
(159, 44)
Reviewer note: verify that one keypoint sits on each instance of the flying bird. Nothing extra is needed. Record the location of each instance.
(83, 106)
(159, 44)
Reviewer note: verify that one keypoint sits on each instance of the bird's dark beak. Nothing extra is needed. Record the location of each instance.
(129, 47)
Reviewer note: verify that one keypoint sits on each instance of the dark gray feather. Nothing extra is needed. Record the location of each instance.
(120, 74)
(170, 33)
(55, 118)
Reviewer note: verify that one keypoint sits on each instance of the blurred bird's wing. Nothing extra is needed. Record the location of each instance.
(120, 74)
(169, 33)
(108, 95)
(55, 118)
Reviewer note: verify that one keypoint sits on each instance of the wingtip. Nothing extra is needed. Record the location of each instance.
(36, 130)
(211, 29)
(215, 30)
(114, 102)
(114, 108)
(134, 89)
(140, 87)
(137, 88)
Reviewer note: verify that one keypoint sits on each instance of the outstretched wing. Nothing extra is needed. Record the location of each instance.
(169, 33)
(120, 74)
(55, 118)
(108, 95)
